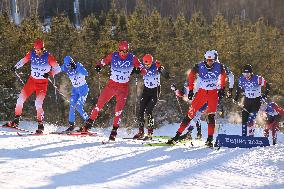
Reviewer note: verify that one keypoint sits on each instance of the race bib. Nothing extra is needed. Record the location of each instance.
(152, 82)
(38, 71)
(119, 76)
(253, 93)
(208, 84)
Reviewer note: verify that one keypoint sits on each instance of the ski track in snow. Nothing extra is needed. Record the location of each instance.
(54, 161)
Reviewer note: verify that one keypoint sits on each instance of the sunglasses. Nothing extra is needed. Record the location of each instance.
(123, 51)
(246, 74)
(38, 50)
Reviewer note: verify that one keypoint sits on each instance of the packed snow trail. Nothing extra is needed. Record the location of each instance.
(55, 161)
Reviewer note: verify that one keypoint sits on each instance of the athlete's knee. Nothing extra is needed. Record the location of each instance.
(211, 118)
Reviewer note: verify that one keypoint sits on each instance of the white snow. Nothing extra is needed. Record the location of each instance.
(54, 161)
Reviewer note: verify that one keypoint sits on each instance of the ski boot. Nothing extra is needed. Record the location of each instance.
(198, 136)
(71, 127)
(113, 134)
(174, 139)
(13, 123)
(140, 133)
(187, 136)
(87, 126)
(209, 142)
(40, 128)
(150, 134)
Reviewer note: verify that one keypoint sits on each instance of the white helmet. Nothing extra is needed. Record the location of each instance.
(209, 55)
(216, 55)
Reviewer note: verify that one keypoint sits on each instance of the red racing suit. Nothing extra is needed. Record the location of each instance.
(117, 85)
(210, 80)
(36, 82)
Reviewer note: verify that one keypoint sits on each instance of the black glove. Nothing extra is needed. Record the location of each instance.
(221, 93)
(230, 93)
(45, 75)
(164, 72)
(13, 68)
(73, 65)
(190, 94)
(136, 71)
(98, 68)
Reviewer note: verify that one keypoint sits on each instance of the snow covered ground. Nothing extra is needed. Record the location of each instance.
(53, 161)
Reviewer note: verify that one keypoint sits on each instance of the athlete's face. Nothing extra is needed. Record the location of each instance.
(209, 62)
(147, 64)
(247, 75)
(123, 53)
(39, 52)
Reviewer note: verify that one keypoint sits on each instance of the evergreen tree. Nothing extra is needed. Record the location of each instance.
(220, 39)
(198, 33)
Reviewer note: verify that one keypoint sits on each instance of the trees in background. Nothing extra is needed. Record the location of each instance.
(178, 43)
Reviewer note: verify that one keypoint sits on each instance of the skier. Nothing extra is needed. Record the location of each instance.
(197, 117)
(43, 65)
(210, 72)
(150, 94)
(274, 113)
(76, 73)
(251, 85)
(122, 64)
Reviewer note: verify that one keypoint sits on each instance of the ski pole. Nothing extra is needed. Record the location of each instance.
(242, 107)
(19, 78)
(56, 88)
(179, 105)
(55, 93)
(135, 105)
(99, 78)
(173, 88)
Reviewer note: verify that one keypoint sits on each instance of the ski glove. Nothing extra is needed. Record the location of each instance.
(177, 92)
(13, 68)
(136, 70)
(230, 93)
(73, 65)
(45, 75)
(98, 68)
(190, 94)
(164, 72)
(221, 93)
